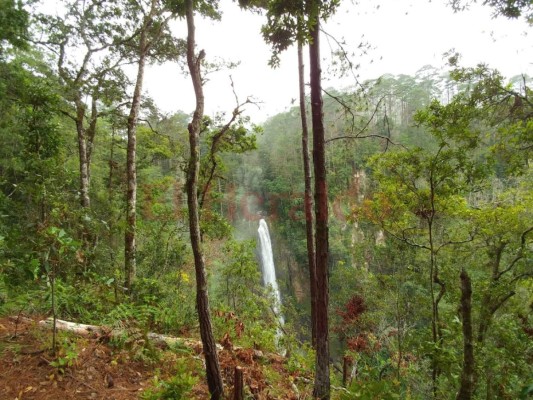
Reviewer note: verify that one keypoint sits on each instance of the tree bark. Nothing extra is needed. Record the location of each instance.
(82, 150)
(111, 165)
(467, 374)
(434, 279)
(130, 265)
(130, 247)
(322, 381)
(238, 393)
(90, 132)
(214, 378)
(308, 195)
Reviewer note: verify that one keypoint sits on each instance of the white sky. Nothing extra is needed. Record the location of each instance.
(405, 35)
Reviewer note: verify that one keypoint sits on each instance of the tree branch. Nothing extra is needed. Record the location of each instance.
(217, 138)
(345, 55)
(519, 255)
(404, 239)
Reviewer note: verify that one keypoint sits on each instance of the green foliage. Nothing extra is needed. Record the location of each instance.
(165, 305)
(176, 388)
(508, 8)
(134, 322)
(505, 107)
(289, 21)
(66, 355)
(240, 279)
(84, 300)
(526, 392)
(13, 24)
(244, 311)
(301, 358)
(214, 226)
(381, 389)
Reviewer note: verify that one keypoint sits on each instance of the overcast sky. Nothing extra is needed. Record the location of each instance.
(405, 35)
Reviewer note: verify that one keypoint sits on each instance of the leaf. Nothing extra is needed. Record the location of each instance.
(526, 391)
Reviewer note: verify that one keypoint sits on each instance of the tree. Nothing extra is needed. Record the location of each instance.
(288, 23)
(308, 194)
(441, 185)
(427, 184)
(13, 25)
(93, 30)
(501, 221)
(322, 381)
(507, 8)
(151, 31)
(466, 388)
(194, 62)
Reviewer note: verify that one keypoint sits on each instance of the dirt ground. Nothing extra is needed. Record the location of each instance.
(96, 370)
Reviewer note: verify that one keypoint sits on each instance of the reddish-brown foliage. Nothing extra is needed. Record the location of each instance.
(358, 343)
(354, 308)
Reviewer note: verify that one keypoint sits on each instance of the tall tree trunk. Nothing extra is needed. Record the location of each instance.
(130, 248)
(214, 378)
(90, 132)
(111, 165)
(82, 150)
(434, 319)
(308, 195)
(434, 279)
(322, 382)
(467, 374)
(130, 265)
(85, 178)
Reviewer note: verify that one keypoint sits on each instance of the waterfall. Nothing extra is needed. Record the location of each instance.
(267, 267)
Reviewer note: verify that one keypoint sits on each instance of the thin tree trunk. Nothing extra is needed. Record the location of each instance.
(130, 250)
(214, 378)
(90, 133)
(467, 374)
(434, 279)
(111, 165)
(434, 320)
(86, 237)
(322, 381)
(399, 336)
(52, 280)
(308, 195)
(82, 150)
(238, 393)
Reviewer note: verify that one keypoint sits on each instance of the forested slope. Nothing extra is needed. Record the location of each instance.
(430, 203)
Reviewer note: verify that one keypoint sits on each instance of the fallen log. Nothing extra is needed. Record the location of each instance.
(95, 331)
(165, 341)
(79, 329)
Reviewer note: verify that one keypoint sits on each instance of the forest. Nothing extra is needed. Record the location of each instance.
(135, 243)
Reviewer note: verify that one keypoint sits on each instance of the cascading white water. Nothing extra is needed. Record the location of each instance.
(267, 267)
